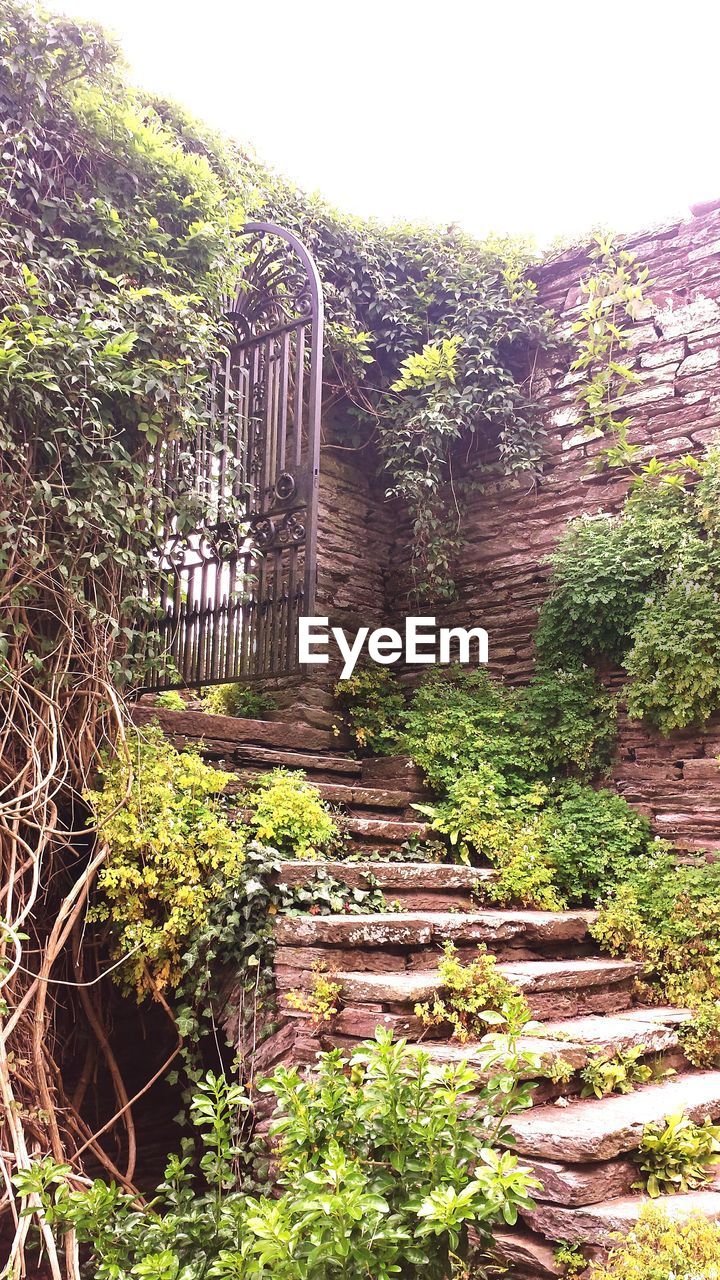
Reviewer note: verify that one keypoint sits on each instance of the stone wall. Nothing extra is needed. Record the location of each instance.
(355, 539)
(511, 527)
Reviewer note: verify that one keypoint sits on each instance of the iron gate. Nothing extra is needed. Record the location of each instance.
(233, 587)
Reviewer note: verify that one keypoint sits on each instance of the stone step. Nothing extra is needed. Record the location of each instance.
(600, 1224)
(591, 1129)
(392, 875)
(350, 796)
(414, 929)
(529, 976)
(377, 832)
(527, 1256)
(551, 987)
(318, 768)
(417, 886)
(234, 731)
(576, 1185)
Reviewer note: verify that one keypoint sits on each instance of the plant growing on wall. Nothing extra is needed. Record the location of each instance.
(660, 1246)
(643, 589)
(613, 292)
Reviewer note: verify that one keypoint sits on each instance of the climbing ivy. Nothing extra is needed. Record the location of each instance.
(613, 292)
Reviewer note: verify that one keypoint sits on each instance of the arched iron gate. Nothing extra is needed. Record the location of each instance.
(232, 589)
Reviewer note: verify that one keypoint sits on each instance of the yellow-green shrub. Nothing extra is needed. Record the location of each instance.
(659, 1247)
(171, 852)
(288, 813)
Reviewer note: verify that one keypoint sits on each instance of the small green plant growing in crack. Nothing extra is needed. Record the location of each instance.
(321, 1000)
(618, 1072)
(677, 1155)
(571, 1258)
(559, 1071)
(700, 1036)
(474, 998)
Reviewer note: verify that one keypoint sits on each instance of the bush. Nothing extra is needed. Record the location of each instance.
(659, 1247)
(677, 1155)
(381, 1170)
(171, 700)
(593, 840)
(668, 917)
(238, 700)
(287, 812)
(570, 720)
(171, 852)
(474, 997)
(460, 720)
(643, 590)
(674, 662)
(700, 1037)
(480, 818)
(372, 703)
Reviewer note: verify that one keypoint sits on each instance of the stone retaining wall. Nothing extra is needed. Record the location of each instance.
(511, 526)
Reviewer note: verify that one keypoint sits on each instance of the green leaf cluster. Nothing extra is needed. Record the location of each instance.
(371, 704)
(494, 754)
(642, 589)
(171, 852)
(382, 1170)
(286, 811)
(660, 1246)
(677, 1155)
(700, 1035)
(473, 997)
(238, 699)
(668, 917)
(618, 1072)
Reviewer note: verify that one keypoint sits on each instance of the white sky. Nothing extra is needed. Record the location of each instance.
(545, 118)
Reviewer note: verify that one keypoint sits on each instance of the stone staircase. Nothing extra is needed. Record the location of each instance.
(373, 798)
(581, 1150)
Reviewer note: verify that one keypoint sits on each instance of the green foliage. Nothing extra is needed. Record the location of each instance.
(406, 1135)
(460, 719)
(321, 999)
(613, 291)
(381, 1171)
(171, 700)
(674, 663)
(677, 1155)
(371, 703)
(660, 1246)
(473, 997)
(667, 916)
(119, 236)
(570, 720)
(171, 852)
(643, 589)
(238, 700)
(700, 1036)
(324, 894)
(618, 1072)
(571, 1258)
(480, 817)
(593, 840)
(287, 812)
(558, 1071)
